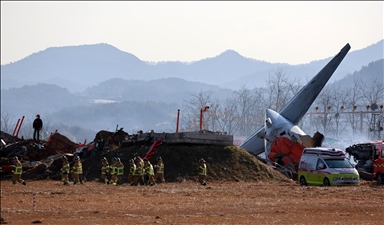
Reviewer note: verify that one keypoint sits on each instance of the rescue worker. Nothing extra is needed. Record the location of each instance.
(140, 160)
(113, 171)
(17, 170)
(119, 171)
(77, 171)
(65, 170)
(132, 169)
(159, 170)
(202, 172)
(105, 170)
(139, 172)
(149, 173)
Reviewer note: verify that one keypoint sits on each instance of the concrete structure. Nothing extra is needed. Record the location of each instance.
(195, 138)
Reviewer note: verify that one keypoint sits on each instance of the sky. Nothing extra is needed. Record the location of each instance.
(286, 32)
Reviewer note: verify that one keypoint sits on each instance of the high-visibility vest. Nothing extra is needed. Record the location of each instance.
(17, 169)
(105, 169)
(139, 170)
(120, 169)
(160, 168)
(132, 169)
(65, 168)
(149, 169)
(203, 170)
(77, 169)
(113, 169)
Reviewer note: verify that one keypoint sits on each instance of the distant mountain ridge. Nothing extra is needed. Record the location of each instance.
(170, 90)
(51, 98)
(373, 72)
(136, 104)
(79, 67)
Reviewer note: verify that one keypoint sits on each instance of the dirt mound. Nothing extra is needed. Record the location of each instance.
(226, 163)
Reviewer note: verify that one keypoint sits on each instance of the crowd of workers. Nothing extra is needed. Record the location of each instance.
(141, 172)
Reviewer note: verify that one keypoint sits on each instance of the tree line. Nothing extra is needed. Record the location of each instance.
(341, 113)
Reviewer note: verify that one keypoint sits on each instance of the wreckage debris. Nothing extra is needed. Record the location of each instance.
(34, 154)
(42, 159)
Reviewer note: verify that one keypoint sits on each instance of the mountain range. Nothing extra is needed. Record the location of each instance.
(64, 83)
(77, 68)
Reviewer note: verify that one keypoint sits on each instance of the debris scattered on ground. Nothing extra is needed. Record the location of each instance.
(42, 159)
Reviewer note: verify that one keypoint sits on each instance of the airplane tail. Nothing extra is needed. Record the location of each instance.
(296, 108)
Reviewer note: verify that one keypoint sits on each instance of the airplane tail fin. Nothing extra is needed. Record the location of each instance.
(296, 108)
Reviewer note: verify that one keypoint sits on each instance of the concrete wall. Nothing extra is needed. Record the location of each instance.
(195, 138)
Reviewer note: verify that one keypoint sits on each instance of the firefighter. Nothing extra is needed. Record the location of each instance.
(77, 171)
(65, 170)
(119, 171)
(139, 172)
(113, 171)
(132, 169)
(17, 170)
(105, 170)
(159, 170)
(202, 172)
(148, 168)
(140, 160)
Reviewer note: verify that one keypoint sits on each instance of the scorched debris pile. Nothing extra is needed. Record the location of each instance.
(42, 160)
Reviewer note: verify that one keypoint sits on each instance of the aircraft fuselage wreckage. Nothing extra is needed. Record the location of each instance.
(280, 137)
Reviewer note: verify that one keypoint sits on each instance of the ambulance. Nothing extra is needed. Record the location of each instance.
(326, 166)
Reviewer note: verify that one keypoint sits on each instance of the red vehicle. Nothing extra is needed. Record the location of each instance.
(369, 158)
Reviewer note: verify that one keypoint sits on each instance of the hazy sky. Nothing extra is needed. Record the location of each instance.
(288, 32)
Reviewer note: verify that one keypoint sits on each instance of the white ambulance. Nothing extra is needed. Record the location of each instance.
(326, 166)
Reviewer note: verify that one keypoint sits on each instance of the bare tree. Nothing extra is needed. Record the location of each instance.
(338, 102)
(354, 95)
(245, 105)
(324, 101)
(191, 113)
(228, 117)
(26, 129)
(212, 117)
(373, 94)
(279, 89)
(6, 123)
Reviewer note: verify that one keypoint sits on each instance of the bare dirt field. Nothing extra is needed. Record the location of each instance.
(50, 202)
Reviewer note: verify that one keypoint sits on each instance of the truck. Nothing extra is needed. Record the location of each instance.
(369, 159)
(327, 167)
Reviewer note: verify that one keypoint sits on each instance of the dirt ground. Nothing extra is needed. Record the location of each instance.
(50, 202)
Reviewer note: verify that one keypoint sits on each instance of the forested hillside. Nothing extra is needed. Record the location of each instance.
(144, 105)
(79, 67)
